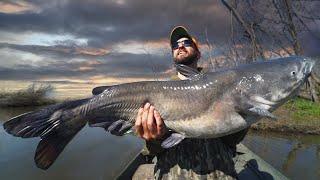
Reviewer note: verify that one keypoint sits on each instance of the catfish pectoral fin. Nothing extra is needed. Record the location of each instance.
(261, 112)
(172, 140)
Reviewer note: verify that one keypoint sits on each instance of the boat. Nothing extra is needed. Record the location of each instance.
(247, 164)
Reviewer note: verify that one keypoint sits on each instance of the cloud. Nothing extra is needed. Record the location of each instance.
(115, 65)
(16, 6)
(58, 50)
(118, 37)
(104, 23)
(83, 40)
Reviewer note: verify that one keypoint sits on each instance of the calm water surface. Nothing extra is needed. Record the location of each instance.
(296, 156)
(92, 154)
(95, 154)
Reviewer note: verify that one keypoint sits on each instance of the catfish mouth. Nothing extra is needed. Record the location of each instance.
(262, 103)
(261, 100)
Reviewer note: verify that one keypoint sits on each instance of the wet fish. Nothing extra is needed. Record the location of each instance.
(205, 106)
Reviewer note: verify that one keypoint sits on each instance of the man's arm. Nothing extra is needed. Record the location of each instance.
(236, 138)
(149, 124)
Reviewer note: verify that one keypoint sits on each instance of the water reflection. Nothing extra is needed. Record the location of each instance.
(296, 156)
(92, 154)
(292, 155)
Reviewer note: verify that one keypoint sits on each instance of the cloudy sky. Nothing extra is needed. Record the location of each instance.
(94, 42)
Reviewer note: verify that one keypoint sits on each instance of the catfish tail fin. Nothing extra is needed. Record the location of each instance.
(50, 147)
(55, 125)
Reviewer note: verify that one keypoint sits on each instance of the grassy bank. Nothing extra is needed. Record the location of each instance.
(34, 95)
(297, 115)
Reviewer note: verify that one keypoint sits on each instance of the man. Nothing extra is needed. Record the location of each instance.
(192, 158)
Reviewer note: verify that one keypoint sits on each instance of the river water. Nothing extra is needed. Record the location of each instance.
(295, 155)
(92, 154)
(95, 154)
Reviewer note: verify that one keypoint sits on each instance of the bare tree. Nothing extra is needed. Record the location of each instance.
(274, 27)
(290, 13)
(248, 28)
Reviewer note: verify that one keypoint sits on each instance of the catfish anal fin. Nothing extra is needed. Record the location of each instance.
(116, 127)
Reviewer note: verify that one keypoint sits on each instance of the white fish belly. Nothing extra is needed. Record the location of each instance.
(207, 126)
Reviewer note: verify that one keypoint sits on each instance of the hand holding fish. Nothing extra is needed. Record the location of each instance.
(149, 124)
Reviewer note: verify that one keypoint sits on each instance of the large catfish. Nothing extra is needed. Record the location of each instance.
(205, 106)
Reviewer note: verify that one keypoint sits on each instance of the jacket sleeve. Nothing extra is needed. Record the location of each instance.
(234, 139)
(154, 146)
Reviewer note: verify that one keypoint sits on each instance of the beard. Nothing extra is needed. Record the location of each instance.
(188, 60)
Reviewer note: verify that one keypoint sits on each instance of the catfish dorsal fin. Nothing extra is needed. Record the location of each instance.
(99, 89)
(190, 73)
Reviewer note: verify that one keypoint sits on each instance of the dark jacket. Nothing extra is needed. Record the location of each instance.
(197, 158)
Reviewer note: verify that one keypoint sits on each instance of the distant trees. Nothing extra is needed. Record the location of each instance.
(34, 95)
(272, 28)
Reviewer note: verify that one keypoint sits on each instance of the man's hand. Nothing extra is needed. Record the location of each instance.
(149, 125)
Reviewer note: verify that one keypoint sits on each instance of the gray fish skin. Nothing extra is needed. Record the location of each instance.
(207, 106)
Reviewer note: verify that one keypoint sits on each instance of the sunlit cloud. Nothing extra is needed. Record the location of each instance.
(41, 39)
(83, 68)
(94, 52)
(71, 50)
(138, 47)
(111, 80)
(17, 6)
(88, 65)
(54, 50)
(51, 39)
(12, 38)
(11, 58)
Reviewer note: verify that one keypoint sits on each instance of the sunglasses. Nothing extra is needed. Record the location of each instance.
(185, 43)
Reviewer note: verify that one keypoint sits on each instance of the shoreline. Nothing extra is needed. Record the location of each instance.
(284, 128)
(296, 116)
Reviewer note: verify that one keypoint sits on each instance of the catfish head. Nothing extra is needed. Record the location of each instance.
(265, 86)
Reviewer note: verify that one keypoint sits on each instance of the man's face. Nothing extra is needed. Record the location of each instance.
(185, 55)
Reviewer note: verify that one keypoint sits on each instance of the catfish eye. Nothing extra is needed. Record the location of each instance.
(293, 73)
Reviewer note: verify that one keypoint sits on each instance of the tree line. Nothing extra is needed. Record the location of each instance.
(272, 28)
